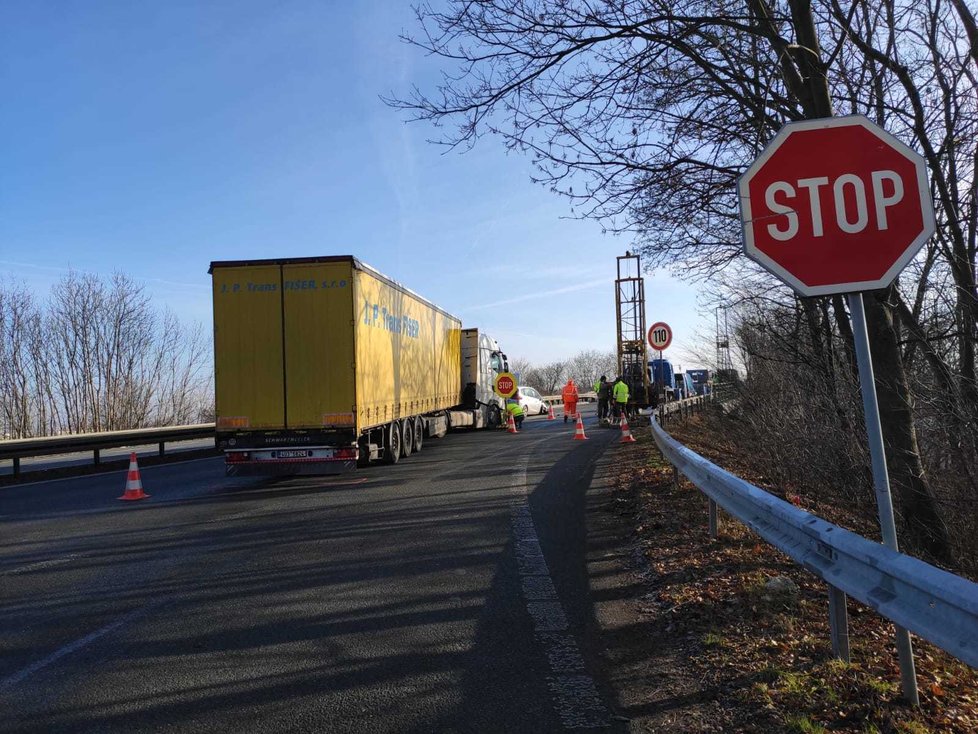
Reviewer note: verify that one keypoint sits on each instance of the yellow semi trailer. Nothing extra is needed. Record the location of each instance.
(323, 362)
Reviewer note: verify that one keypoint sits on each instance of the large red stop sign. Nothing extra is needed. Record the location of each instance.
(835, 205)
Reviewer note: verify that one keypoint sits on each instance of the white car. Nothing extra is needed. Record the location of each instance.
(532, 402)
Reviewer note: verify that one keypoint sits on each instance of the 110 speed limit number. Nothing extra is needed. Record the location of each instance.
(660, 335)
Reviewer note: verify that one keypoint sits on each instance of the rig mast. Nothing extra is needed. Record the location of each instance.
(633, 360)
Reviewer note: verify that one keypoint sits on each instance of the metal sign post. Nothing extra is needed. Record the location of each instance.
(881, 479)
(808, 239)
(661, 395)
(660, 337)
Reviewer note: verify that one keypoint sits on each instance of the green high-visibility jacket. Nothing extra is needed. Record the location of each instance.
(515, 408)
(620, 391)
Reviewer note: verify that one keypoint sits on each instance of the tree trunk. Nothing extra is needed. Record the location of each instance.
(913, 494)
(913, 497)
(845, 331)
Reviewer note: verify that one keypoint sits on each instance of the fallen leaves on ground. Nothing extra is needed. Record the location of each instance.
(770, 653)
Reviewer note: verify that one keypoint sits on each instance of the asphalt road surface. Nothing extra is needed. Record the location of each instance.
(446, 593)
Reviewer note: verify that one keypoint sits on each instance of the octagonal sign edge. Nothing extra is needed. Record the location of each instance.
(918, 188)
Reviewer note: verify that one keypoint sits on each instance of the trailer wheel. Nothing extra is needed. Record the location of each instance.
(418, 434)
(407, 436)
(392, 448)
(493, 415)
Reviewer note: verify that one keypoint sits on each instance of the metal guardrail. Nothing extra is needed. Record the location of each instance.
(592, 397)
(21, 448)
(936, 605)
(584, 397)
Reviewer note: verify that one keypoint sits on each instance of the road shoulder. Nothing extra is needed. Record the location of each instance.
(642, 657)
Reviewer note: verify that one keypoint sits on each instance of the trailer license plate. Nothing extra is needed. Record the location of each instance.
(294, 454)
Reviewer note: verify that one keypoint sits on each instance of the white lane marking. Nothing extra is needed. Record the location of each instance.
(25, 673)
(576, 698)
(39, 565)
(228, 518)
(117, 470)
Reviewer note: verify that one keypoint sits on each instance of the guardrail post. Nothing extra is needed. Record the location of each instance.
(16, 466)
(713, 520)
(839, 623)
(97, 456)
(908, 669)
(161, 448)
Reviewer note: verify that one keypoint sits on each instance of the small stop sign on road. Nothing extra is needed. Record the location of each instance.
(505, 384)
(835, 205)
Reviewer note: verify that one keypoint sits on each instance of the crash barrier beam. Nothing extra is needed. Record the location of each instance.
(21, 448)
(934, 604)
(584, 397)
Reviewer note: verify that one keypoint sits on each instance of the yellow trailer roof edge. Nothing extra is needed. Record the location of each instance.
(357, 264)
(360, 265)
(279, 261)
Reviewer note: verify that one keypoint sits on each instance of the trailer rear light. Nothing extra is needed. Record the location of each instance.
(233, 456)
(233, 421)
(345, 453)
(338, 419)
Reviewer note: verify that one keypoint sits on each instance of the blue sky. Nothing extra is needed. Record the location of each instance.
(152, 138)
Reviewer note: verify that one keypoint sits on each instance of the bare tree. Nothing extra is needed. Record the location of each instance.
(20, 397)
(182, 386)
(584, 368)
(551, 376)
(587, 366)
(521, 367)
(97, 356)
(70, 325)
(643, 113)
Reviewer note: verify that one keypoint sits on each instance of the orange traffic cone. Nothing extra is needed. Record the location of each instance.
(626, 434)
(511, 425)
(134, 485)
(551, 416)
(579, 433)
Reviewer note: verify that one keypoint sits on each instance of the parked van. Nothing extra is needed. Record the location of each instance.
(662, 377)
(701, 381)
(684, 387)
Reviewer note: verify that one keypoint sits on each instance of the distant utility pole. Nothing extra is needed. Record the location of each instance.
(724, 362)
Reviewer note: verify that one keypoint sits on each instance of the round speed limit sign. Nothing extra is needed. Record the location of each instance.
(660, 335)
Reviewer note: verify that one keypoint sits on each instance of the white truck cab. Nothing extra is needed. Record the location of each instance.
(482, 360)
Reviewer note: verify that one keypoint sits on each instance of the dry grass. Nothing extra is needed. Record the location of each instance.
(769, 652)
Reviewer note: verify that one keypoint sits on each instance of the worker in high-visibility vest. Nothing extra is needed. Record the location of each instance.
(569, 396)
(514, 408)
(620, 394)
(603, 389)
